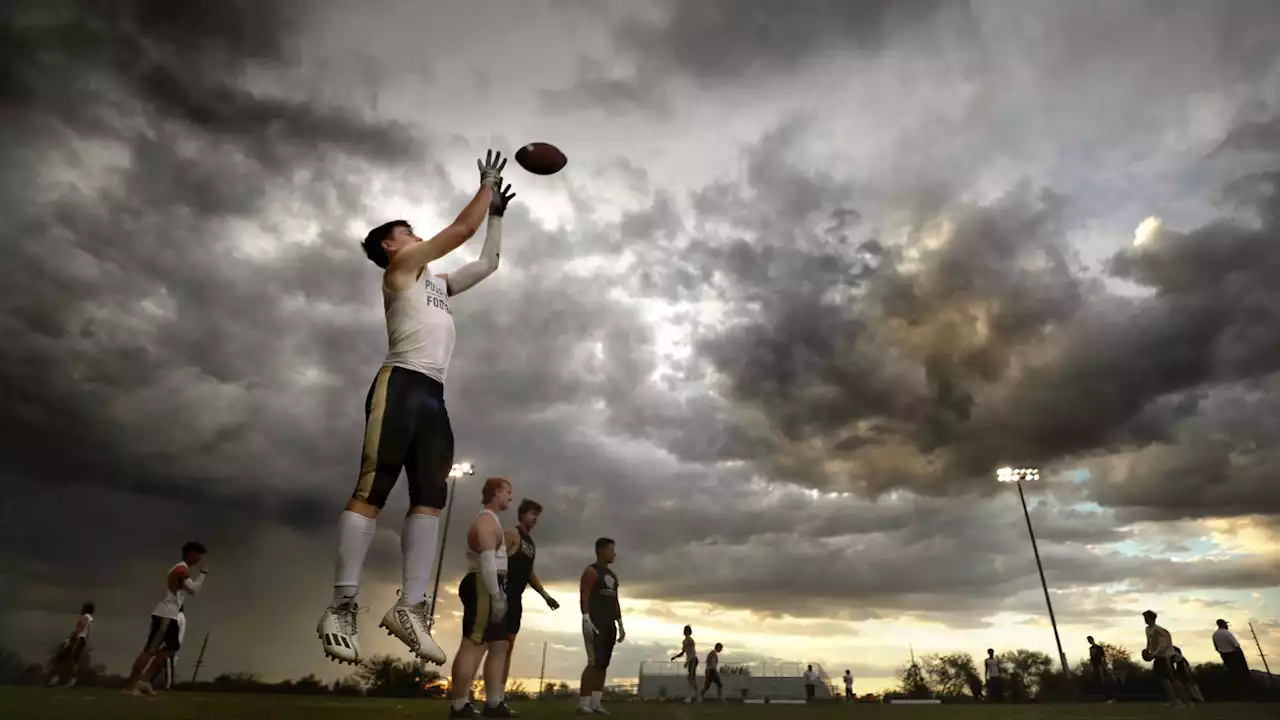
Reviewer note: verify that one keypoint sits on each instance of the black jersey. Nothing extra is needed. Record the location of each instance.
(1097, 656)
(602, 602)
(520, 565)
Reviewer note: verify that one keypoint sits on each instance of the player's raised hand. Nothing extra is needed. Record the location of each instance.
(491, 169)
(501, 196)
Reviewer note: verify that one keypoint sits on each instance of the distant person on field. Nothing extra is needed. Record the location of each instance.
(1233, 659)
(810, 684)
(74, 647)
(995, 681)
(1098, 664)
(848, 686)
(1159, 652)
(713, 673)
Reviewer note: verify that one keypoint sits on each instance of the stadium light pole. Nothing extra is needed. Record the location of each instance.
(455, 472)
(1017, 476)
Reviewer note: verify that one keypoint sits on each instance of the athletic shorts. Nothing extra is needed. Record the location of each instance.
(713, 677)
(515, 610)
(692, 666)
(163, 635)
(476, 625)
(406, 427)
(74, 650)
(600, 645)
(1162, 668)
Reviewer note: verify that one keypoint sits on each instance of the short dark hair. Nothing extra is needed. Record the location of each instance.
(87, 608)
(527, 505)
(373, 241)
(603, 543)
(191, 547)
(688, 630)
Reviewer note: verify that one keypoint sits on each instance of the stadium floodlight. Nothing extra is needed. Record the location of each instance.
(1019, 476)
(458, 470)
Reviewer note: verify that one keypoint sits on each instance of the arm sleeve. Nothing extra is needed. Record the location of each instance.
(473, 272)
(489, 572)
(193, 586)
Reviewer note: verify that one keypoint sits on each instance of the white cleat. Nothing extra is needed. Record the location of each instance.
(337, 630)
(412, 626)
(600, 711)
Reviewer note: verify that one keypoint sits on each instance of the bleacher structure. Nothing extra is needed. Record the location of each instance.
(750, 682)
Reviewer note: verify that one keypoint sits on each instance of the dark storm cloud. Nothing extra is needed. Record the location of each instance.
(720, 41)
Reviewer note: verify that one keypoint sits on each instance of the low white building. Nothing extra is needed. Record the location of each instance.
(745, 681)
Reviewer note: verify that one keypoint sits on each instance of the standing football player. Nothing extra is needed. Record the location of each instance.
(163, 639)
(483, 594)
(689, 651)
(601, 625)
(406, 423)
(521, 552)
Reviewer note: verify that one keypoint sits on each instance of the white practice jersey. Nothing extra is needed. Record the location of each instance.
(86, 626)
(473, 557)
(420, 333)
(171, 606)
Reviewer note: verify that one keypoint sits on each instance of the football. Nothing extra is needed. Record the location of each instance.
(541, 158)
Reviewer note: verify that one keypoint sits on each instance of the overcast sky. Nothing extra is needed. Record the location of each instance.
(814, 270)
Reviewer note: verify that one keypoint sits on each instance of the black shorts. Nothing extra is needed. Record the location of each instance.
(163, 635)
(476, 625)
(713, 677)
(405, 426)
(600, 645)
(1162, 668)
(72, 651)
(692, 666)
(515, 610)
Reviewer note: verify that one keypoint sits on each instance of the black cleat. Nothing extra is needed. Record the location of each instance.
(467, 711)
(501, 710)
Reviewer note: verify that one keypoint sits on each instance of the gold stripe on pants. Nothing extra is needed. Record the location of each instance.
(483, 608)
(373, 433)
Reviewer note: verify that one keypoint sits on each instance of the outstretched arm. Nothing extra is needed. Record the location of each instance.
(465, 277)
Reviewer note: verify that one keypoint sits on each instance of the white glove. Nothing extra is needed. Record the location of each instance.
(497, 608)
(588, 626)
(622, 632)
(491, 169)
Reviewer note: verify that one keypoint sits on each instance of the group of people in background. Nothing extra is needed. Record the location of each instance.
(689, 651)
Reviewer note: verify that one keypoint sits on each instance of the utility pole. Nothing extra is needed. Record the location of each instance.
(1260, 653)
(457, 471)
(200, 658)
(542, 675)
(1019, 476)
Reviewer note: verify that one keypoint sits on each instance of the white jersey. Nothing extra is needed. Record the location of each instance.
(992, 666)
(1224, 641)
(86, 626)
(420, 333)
(473, 557)
(848, 680)
(171, 606)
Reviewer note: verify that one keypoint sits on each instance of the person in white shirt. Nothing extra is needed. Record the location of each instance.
(407, 425)
(995, 681)
(810, 684)
(1159, 652)
(1233, 659)
(689, 651)
(74, 648)
(713, 672)
(848, 686)
(163, 640)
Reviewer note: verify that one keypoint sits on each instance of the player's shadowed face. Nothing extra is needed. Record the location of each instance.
(608, 553)
(399, 238)
(194, 558)
(529, 520)
(503, 497)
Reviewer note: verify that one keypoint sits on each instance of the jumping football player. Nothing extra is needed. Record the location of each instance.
(601, 625)
(74, 647)
(406, 423)
(163, 639)
(483, 594)
(689, 651)
(521, 551)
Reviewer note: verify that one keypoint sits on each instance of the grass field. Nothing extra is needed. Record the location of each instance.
(23, 703)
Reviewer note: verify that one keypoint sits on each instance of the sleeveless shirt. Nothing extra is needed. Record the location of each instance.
(171, 605)
(473, 557)
(602, 602)
(420, 332)
(520, 567)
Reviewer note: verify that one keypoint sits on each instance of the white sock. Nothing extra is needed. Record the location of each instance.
(355, 534)
(493, 696)
(459, 703)
(418, 541)
(595, 699)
